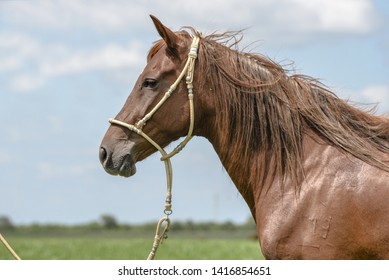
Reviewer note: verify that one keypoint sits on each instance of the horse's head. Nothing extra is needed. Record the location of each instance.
(121, 147)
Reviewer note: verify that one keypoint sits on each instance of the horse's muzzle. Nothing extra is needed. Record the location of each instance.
(123, 165)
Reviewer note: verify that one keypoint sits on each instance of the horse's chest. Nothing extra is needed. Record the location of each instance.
(307, 237)
(283, 236)
(337, 222)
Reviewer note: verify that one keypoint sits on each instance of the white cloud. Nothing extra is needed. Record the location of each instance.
(70, 14)
(370, 96)
(346, 16)
(26, 82)
(49, 170)
(10, 64)
(281, 16)
(20, 53)
(377, 94)
(56, 125)
(5, 157)
(15, 49)
(112, 56)
(31, 61)
(25, 132)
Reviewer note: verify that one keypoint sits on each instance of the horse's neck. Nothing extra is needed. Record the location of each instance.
(238, 173)
(248, 180)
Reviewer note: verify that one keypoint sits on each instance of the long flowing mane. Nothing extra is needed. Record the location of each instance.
(263, 110)
(265, 113)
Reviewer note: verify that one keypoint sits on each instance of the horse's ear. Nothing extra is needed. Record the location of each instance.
(167, 35)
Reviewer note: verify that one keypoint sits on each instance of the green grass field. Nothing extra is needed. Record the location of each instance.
(102, 248)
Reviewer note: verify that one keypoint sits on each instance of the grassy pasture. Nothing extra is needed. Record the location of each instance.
(109, 240)
(108, 248)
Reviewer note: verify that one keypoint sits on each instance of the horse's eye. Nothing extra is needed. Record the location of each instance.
(150, 83)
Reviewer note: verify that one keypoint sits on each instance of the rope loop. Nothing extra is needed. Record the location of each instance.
(159, 236)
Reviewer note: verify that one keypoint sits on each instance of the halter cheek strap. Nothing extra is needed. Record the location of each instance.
(188, 70)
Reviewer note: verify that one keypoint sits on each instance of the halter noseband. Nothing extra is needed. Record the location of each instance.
(188, 70)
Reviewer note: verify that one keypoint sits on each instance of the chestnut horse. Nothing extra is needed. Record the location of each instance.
(312, 168)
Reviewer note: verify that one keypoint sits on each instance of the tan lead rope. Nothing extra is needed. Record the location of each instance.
(169, 178)
(9, 247)
(159, 237)
(137, 128)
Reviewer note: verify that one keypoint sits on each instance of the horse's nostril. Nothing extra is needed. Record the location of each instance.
(102, 155)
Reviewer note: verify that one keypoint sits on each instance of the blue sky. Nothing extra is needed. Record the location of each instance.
(67, 66)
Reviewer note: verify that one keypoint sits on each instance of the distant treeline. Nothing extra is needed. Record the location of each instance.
(110, 223)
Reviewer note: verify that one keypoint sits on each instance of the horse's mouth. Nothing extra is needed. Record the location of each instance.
(123, 165)
(127, 166)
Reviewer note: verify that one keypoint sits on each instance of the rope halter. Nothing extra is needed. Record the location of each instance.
(187, 71)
